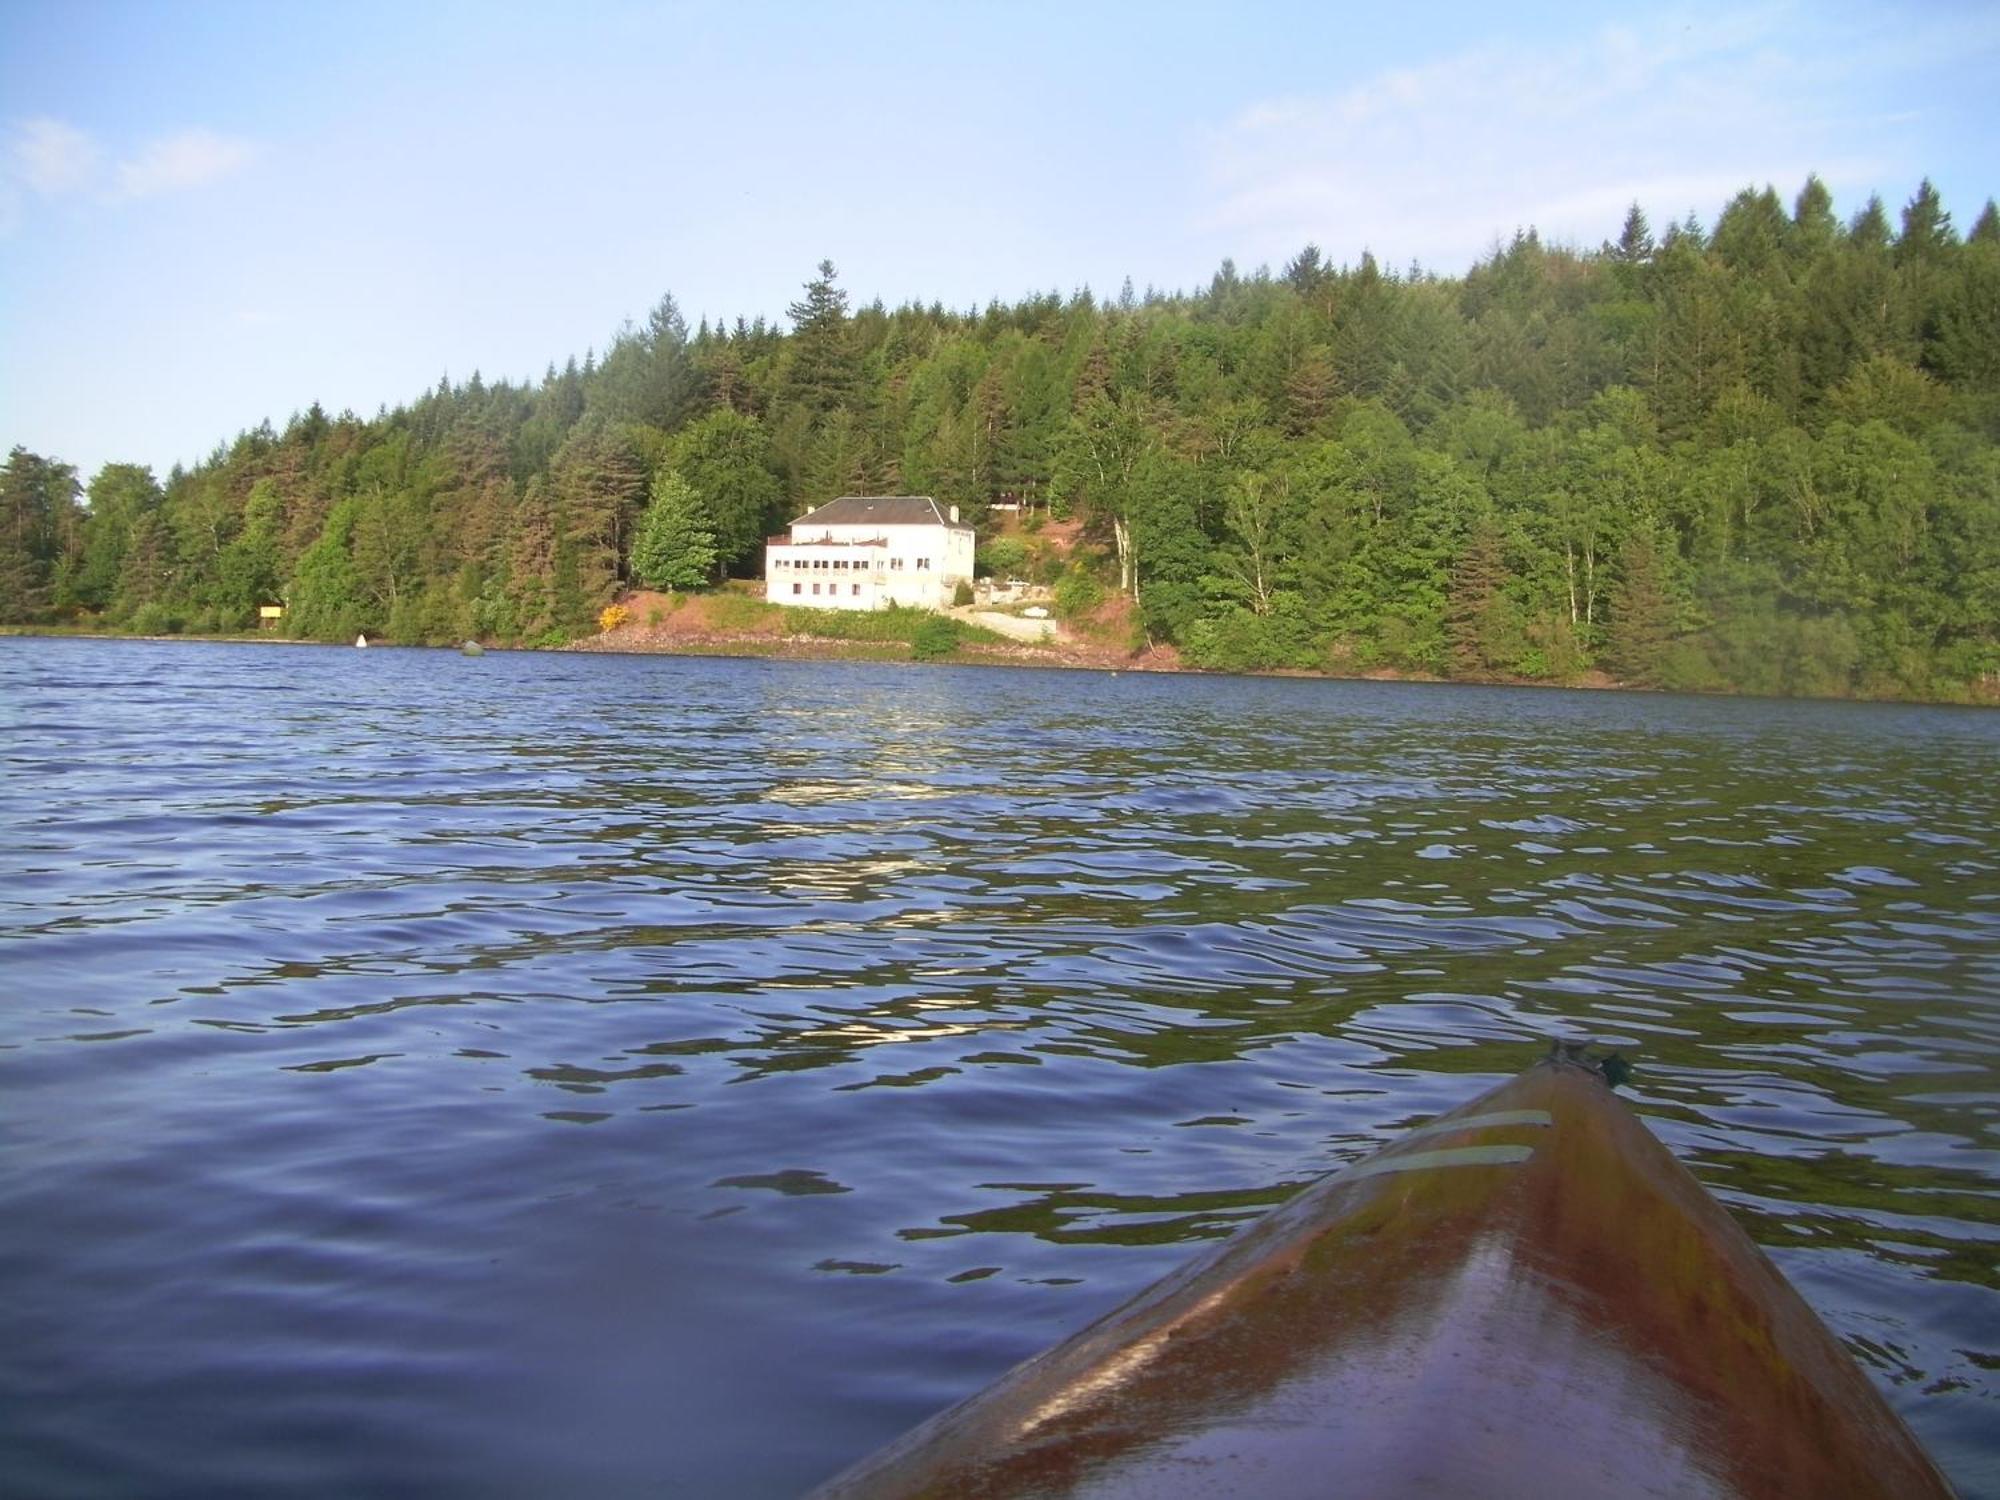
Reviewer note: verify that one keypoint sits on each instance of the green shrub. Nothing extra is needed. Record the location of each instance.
(155, 619)
(899, 622)
(1003, 557)
(1239, 641)
(936, 637)
(1077, 594)
(962, 595)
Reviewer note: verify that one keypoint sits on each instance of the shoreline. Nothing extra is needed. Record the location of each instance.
(726, 647)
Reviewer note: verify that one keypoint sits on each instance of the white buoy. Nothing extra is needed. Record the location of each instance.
(361, 640)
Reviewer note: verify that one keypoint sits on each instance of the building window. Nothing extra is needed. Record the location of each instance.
(815, 588)
(857, 591)
(798, 588)
(923, 562)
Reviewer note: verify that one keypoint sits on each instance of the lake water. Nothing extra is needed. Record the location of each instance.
(549, 1074)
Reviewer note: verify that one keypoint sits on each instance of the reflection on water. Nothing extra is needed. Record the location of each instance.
(536, 1074)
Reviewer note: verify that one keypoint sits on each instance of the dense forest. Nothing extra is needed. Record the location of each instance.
(1763, 457)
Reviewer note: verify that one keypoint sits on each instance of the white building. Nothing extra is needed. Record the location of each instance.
(868, 551)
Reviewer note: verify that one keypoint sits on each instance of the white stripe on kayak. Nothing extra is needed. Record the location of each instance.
(1462, 1156)
(1485, 1122)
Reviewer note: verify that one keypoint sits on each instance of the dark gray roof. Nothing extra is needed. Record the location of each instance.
(877, 510)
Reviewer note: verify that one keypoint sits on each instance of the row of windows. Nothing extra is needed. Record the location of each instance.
(831, 588)
(895, 563)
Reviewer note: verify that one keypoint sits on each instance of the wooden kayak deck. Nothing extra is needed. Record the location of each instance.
(1526, 1297)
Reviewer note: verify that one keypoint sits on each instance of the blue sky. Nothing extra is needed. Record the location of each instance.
(211, 214)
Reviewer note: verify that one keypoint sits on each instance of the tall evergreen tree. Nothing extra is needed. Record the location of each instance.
(1814, 227)
(1927, 233)
(1476, 624)
(597, 483)
(37, 511)
(1635, 240)
(824, 368)
(1642, 616)
(675, 548)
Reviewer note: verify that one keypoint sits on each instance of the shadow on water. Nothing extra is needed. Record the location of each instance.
(508, 1075)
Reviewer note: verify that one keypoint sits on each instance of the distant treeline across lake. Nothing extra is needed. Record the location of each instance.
(1759, 456)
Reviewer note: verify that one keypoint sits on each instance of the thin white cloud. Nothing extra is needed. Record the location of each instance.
(52, 157)
(45, 157)
(188, 159)
(1437, 161)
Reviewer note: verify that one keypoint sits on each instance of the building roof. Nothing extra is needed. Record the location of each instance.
(877, 510)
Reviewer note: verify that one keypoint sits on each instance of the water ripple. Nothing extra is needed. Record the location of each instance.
(421, 1071)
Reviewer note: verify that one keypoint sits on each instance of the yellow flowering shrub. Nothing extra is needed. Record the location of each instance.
(611, 617)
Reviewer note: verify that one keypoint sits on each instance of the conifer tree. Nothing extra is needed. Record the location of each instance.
(1642, 616)
(37, 502)
(1474, 605)
(597, 484)
(1814, 228)
(1868, 230)
(1635, 241)
(1927, 233)
(675, 548)
(120, 495)
(824, 367)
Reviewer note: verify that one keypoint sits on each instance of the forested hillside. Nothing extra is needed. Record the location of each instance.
(1764, 457)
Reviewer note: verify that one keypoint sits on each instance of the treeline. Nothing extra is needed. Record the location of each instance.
(1764, 457)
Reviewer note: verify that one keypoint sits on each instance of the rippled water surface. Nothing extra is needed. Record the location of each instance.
(549, 1074)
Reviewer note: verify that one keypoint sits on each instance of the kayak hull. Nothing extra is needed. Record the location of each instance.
(1528, 1296)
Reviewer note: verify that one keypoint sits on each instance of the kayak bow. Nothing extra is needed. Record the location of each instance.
(1527, 1296)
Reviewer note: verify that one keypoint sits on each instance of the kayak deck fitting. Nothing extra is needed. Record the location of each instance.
(1526, 1296)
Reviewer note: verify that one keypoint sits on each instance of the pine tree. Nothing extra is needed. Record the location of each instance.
(37, 502)
(120, 495)
(671, 376)
(1474, 603)
(1635, 241)
(1927, 233)
(531, 560)
(675, 548)
(1869, 229)
(1310, 391)
(1307, 273)
(1752, 232)
(597, 483)
(1814, 228)
(1642, 616)
(824, 368)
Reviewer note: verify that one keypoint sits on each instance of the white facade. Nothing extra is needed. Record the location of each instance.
(868, 552)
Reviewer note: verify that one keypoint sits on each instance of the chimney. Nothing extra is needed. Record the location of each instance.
(954, 515)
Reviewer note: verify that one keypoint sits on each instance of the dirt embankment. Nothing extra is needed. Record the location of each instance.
(738, 622)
